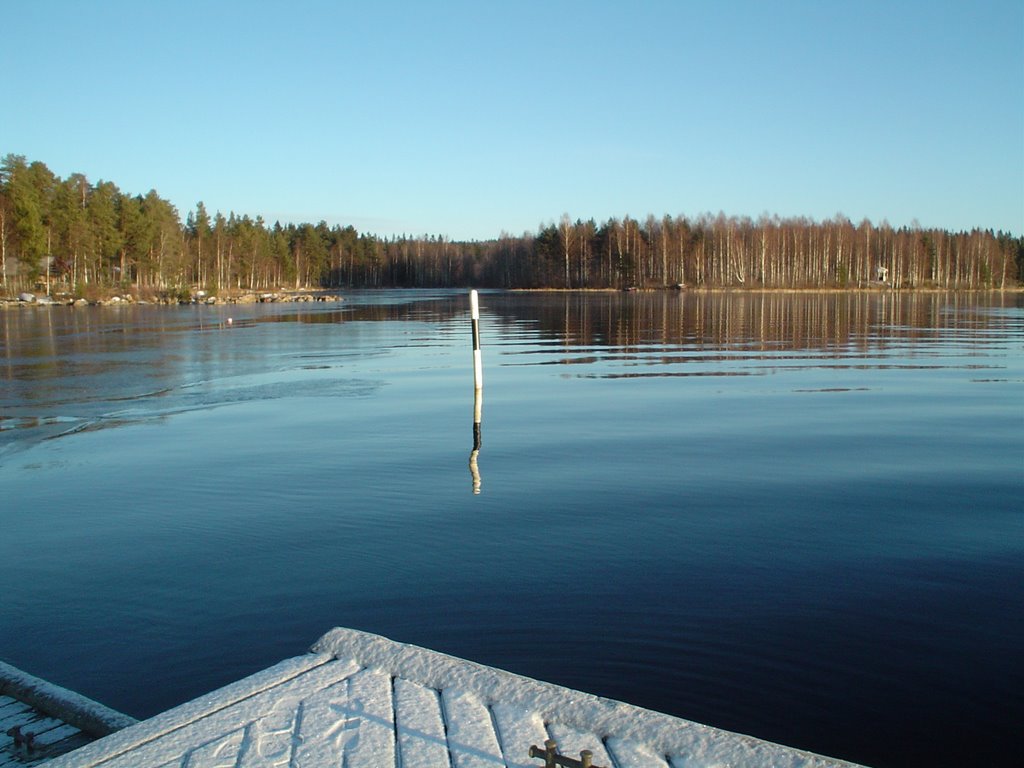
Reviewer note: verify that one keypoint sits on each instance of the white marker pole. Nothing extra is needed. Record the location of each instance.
(478, 368)
(478, 390)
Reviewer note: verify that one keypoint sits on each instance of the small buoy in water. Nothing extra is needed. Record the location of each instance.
(230, 321)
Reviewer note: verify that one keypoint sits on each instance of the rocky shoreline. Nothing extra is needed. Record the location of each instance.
(199, 297)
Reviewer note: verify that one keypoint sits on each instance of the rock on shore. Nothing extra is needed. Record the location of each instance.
(199, 297)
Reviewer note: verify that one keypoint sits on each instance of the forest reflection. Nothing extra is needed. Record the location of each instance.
(589, 325)
(734, 320)
(64, 368)
(735, 323)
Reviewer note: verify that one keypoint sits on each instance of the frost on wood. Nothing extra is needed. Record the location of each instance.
(73, 708)
(363, 700)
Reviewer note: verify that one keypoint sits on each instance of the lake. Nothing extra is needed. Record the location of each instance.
(796, 516)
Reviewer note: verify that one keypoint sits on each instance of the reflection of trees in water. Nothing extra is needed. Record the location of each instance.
(775, 321)
(431, 309)
(39, 341)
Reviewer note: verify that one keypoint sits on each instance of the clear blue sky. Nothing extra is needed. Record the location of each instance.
(469, 118)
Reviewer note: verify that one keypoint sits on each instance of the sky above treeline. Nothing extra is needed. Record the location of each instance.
(467, 119)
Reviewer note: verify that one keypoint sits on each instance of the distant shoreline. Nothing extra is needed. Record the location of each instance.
(323, 295)
(128, 298)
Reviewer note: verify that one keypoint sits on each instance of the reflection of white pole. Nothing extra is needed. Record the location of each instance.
(478, 368)
(474, 469)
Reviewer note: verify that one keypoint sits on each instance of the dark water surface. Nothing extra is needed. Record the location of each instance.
(794, 516)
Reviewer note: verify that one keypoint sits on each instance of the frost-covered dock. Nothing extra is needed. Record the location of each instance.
(362, 700)
(39, 720)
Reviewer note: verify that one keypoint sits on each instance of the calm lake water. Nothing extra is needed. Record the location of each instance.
(793, 516)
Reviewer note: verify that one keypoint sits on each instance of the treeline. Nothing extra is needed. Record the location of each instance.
(768, 252)
(73, 235)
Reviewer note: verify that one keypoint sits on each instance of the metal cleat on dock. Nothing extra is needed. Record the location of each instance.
(553, 760)
(26, 740)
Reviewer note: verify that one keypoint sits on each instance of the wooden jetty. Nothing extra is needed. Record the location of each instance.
(362, 700)
(40, 721)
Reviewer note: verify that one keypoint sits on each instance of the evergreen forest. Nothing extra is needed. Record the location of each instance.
(78, 237)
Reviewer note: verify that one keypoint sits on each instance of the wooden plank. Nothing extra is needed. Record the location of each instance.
(32, 721)
(572, 741)
(71, 707)
(209, 705)
(56, 741)
(18, 756)
(518, 730)
(270, 744)
(666, 735)
(421, 738)
(324, 727)
(41, 724)
(18, 715)
(69, 743)
(50, 737)
(270, 735)
(413, 708)
(684, 761)
(631, 754)
(271, 713)
(223, 753)
(472, 741)
(371, 717)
